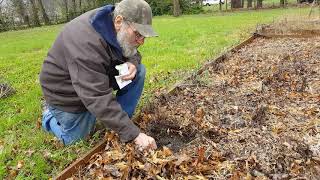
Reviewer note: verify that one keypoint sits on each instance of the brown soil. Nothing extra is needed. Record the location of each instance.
(169, 135)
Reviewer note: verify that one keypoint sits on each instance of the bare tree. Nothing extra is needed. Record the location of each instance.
(259, 3)
(19, 6)
(66, 8)
(35, 11)
(1, 1)
(176, 8)
(226, 4)
(44, 13)
(199, 2)
(92, 4)
(249, 5)
(80, 6)
(282, 3)
(74, 9)
(236, 4)
(1, 17)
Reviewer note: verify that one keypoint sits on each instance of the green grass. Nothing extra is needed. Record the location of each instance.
(184, 44)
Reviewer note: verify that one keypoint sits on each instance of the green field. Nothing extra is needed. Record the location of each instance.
(185, 43)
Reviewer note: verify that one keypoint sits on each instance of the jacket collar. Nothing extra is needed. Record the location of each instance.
(102, 22)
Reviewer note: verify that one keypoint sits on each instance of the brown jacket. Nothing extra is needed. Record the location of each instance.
(79, 71)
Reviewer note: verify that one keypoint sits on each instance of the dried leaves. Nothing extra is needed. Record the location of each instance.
(124, 162)
(256, 116)
(291, 27)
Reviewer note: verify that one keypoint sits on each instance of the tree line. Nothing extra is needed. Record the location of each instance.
(18, 14)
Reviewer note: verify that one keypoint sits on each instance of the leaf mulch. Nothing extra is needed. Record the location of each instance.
(295, 27)
(255, 115)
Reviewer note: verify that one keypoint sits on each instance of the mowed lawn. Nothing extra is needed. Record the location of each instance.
(185, 43)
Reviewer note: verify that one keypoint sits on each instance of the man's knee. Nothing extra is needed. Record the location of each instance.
(68, 127)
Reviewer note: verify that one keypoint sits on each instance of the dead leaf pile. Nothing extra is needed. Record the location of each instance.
(122, 161)
(256, 114)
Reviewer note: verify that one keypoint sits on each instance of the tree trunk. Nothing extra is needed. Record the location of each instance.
(2, 25)
(66, 9)
(220, 5)
(74, 9)
(226, 4)
(176, 8)
(235, 4)
(259, 3)
(282, 3)
(44, 14)
(90, 4)
(242, 3)
(80, 6)
(249, 5)
(26, 20)
(21, 10)
(35, 10)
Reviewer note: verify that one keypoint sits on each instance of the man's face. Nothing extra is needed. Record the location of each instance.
(129, 39)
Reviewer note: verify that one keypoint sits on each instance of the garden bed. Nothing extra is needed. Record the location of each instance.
(254, 112)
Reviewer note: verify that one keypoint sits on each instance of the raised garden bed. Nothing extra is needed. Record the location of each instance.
(253, 112)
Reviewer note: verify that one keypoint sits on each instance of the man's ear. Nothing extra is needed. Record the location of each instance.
(118, 23)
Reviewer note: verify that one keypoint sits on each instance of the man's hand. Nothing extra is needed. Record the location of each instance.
(144, 141)
(132, 72)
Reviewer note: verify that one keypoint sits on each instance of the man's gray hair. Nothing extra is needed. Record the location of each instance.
(118, 11)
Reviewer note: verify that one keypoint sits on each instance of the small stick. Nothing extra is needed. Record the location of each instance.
(310, 12)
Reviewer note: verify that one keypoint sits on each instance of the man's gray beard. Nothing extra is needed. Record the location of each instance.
(122, 37)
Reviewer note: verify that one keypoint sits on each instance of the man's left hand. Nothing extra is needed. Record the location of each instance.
(132, 72)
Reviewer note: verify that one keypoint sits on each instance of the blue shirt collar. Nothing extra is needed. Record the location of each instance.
(102, 22)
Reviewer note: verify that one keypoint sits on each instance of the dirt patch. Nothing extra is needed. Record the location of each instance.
(169, 135)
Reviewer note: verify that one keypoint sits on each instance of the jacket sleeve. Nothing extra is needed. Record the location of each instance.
(136, 59)
(87, 67)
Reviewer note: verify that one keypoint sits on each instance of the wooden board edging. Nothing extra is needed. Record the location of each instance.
(74, 167)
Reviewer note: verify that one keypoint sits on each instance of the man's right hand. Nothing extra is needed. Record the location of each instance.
(144, 141)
